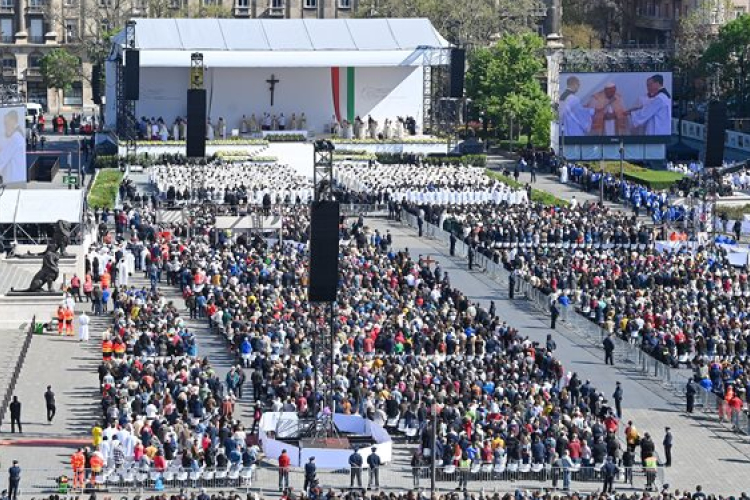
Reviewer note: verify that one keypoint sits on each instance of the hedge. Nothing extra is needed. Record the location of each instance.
(103, 193)
(433, 159)
(537, 196)
(654, 179)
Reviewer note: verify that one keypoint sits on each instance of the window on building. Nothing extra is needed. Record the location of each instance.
(9, 61)
(69, 3)
(73, 96)
(277, 4)
(36, 30)
(35, 60)
(71, 30)
(243, 4)
(37, 92)
(6, 4)
(311, 4)
(739, 11)
(6, 29)
(36, 3)
(345, 4)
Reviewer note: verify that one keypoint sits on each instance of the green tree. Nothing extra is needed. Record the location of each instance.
(60, 69)
(464, 22)
(503, 81)
(609, 20)
(581, 36)
(727, 59)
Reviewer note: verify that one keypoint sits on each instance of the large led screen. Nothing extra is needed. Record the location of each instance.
(607, 106)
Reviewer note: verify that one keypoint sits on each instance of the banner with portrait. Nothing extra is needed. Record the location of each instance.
(13, 145)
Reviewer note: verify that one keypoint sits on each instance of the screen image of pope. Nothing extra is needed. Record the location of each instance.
(12, 146)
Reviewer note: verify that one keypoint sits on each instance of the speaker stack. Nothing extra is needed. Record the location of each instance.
(324, 251)
(716, 125)
(132, 74)
(458, 69)
(196, 123)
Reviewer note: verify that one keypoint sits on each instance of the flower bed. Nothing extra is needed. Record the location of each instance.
(216, 142)
(286, 138)
(405, 140)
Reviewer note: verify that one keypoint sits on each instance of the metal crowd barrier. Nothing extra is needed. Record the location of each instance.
(130, 478)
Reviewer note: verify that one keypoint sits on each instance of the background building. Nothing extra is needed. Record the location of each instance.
(31, 28)
(655, 21)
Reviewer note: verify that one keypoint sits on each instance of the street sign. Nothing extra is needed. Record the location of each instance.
(70, 179)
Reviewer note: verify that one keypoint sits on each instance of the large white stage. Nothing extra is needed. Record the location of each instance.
(323, 68)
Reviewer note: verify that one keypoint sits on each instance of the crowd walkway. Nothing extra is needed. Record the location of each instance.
(704, 452)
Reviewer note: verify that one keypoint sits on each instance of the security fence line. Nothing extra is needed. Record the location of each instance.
(130, 478)
(672, 379)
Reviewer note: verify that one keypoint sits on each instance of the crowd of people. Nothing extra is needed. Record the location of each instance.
(232, 183)
(435, 185)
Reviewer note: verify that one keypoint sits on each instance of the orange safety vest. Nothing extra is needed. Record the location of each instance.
(119, 348)
(68, 315)
(97, 463)
(60, 314)
(78, 461)
(107, 347)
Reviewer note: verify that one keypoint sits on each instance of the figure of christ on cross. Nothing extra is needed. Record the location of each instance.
(272, 82)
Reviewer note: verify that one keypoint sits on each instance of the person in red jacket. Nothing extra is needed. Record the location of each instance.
(284, 465)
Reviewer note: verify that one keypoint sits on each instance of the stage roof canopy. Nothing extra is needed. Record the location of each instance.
(287, 42)
(32, 206)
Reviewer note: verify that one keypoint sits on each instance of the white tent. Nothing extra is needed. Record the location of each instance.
(22, 211)
(349, 67)
(33, 206)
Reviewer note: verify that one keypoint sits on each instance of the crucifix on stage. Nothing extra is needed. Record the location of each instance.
(272, 82)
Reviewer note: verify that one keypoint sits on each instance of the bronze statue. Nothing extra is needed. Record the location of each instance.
(48, 273)
(61, 238)
(50, 259)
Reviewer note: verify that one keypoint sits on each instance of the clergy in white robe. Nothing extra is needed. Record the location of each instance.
(209, 130)
(243, 125)
(176, 130)
(222, 126)
(576, 119)
(253, 124)
(83, 327)
(302, 121)
(655, 112)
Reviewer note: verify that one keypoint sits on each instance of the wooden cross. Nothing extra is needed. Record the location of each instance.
(272, 82)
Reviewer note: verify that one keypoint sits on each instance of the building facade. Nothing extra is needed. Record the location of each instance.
(654, 21)
(31, 28)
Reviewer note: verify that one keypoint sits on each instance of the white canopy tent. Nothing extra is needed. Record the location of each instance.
(22, 211)
(349, 67)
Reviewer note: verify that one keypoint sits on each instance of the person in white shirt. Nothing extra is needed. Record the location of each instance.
(655, 112)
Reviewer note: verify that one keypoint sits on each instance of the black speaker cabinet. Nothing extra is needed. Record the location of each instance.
(458, 69)
(324, 251)
(132, 74)
(716, 125)
(196, 123)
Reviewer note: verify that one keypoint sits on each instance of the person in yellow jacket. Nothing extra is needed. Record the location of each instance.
(632, 438)
(650, 467)
(96, 436)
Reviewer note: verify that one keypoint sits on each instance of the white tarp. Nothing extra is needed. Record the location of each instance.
(8, 202)
(40, 206)
(285, 34)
